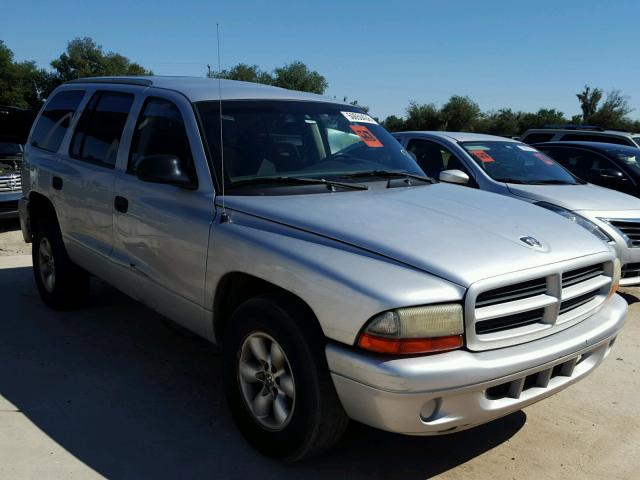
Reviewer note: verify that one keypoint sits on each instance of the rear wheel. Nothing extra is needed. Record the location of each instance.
(277, 382)
(60, 282)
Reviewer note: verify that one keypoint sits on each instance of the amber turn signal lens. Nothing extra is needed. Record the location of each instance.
(404, 346)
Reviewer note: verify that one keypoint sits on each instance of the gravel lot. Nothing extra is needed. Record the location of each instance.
(115, 391)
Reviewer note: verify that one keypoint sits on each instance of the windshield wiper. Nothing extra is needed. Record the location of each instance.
(297, 181)
(388, 174)
(509, 180)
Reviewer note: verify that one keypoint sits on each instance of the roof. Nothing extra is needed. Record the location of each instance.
(599, 146)
(581, 131)
(198, 89)
(461, 136)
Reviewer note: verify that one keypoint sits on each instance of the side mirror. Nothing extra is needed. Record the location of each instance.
(166, 169)
(612, 174)
(454, 176)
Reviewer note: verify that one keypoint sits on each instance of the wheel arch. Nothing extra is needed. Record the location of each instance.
(234, 288)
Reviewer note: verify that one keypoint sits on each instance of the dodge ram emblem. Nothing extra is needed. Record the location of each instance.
(13, 183)
(532, 242)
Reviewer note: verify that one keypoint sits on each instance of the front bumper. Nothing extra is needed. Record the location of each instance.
(442, 393)
(9, 205)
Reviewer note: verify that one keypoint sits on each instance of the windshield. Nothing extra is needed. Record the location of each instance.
(10, 149)
(629, 156)
(511, 162)
(637, 140)
(289, 139)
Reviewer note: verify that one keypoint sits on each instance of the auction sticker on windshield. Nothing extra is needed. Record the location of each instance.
(367, 137)
(481, 155)
(358, 117)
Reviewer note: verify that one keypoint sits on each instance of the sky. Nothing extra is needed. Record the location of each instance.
(520, 55)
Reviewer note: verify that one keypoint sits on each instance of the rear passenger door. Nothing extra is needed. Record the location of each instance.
(88, 178)
(161, 230)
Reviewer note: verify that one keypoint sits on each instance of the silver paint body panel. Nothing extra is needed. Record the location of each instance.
(348, 255)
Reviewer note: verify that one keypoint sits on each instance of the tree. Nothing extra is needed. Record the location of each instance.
(245, 73)
(613, 112)
(504, 122)
(589, 102)
(297, 76)
(460, 113)
(85, 58)
(423, 117)
(21, 83)
(544, 116)
(394, 124)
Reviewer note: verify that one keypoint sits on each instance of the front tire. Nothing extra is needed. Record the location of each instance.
(277, 381)
(61, 283)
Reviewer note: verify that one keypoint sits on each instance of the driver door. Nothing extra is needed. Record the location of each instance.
(161, 231)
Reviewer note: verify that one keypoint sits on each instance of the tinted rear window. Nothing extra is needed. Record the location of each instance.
(55, 120)
(538, 137)
(97, 137)
(594, 138)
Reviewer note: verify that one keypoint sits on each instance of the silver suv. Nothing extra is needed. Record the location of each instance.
(295, 231)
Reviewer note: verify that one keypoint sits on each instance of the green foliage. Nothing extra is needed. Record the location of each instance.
(21, 83)
(85, 58)
(589, 102)
(423, 117)
(293, 76)
(460, 113)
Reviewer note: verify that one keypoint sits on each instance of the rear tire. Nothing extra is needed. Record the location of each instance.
(285, 405)
(62, 284)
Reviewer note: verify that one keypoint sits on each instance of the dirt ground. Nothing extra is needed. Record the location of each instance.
(112, 391)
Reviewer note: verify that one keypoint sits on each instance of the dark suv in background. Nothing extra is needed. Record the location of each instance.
(580, 133)
(612, 166)
(10, 183)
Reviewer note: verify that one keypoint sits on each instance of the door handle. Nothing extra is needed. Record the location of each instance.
(56, 183)
(121, 204)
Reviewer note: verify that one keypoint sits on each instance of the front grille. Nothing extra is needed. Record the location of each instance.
(507, 314)
(630, 228)
(10, 183)
(512, 292)
(512, 321)
(631, 270)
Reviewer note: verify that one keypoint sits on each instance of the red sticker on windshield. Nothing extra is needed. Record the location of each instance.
(367, 137)
(481, 155)
(544, 158)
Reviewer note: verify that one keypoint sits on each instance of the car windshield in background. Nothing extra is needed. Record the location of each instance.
(279, 140)
(630, 156)
(10, 149)
(637, 140)
(518, 163)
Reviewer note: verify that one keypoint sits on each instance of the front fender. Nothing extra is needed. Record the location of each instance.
(344, 286)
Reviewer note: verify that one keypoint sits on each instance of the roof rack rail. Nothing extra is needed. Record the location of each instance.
(571, 126)
(145, 82)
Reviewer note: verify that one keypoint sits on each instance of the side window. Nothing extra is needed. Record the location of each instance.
(434, 158)
(582, 163)
(537, 138)
(160, 131)
(97, 136)
(55, 120)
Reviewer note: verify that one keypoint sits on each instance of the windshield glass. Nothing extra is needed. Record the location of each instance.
(273, 139)
(10, 149)
(637, 140)
(629, 156)
(511, 162)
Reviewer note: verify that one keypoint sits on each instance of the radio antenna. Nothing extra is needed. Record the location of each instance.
(224, 217)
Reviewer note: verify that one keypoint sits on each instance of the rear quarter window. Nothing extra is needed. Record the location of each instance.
(537, 137)
(54, 122)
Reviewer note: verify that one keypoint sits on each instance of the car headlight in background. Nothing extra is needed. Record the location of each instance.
(425, 329)
(580, 220)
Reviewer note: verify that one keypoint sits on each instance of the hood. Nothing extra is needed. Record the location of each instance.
(457, 233)
(577, 197)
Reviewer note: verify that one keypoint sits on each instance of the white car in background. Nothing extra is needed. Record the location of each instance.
(508, 167)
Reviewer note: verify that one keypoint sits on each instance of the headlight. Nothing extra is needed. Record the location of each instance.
(426, 329)
(580, 220)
